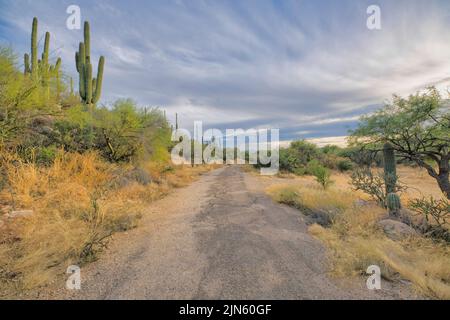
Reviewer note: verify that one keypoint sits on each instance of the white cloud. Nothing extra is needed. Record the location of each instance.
(290, 64)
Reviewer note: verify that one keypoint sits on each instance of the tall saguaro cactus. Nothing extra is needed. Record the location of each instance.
(390, 179)
(390, 170)
(34, 58)
(40, 69)
(90, 88)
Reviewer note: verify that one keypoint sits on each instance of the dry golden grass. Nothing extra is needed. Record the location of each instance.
(76, 208)
(354, 240)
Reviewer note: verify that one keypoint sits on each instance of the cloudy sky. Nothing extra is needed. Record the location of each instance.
(308, 67)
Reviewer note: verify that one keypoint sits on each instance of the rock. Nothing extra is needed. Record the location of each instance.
(2, 224)
(19, 214)
(361, 203)
(396, 230)
(140, 175)
(136, 175)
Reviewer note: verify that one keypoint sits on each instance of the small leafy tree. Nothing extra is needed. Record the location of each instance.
(436, 214)
(418, 129)
(322, 174)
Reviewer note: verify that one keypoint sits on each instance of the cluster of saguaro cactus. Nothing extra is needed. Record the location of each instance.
(89, 88)
(40, 69)
(390, 179)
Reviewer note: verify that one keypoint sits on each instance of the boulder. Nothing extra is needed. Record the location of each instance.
(361, 203)
(396, 230)
(136, 175)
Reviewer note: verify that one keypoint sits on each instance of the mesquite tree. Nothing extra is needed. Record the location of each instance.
(418, 128)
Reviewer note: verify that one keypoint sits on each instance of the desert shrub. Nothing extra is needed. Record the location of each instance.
(329, 160)
(436, 217)
(288, 160)
(288, 196)
(127, 133)
(373, 184)
(21, 102)
(331, 149)
(362, 157)
(322, 174)
(304, 151)
(344, 165)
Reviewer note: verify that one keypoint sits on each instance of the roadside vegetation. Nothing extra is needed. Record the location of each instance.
(384, 200)
(72, 172)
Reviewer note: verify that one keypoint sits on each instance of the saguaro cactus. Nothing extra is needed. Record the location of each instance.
(34, 57)
(40, 69)
(390, 179)
(27, 68)
(90, 88)
(71, 85)
(390, 171)
(393, 203)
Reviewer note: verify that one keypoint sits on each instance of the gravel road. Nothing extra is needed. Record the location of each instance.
(219, 238)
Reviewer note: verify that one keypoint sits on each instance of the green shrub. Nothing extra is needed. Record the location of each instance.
(46, 155)
(344, 165)
(288, 160)
(322, 174)
(290, 197)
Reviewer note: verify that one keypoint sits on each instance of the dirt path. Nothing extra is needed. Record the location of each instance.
(217, 239)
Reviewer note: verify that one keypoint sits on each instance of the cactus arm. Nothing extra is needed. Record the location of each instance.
(82, 54)
(58, 63)
(34, 58)
(87, 39)
(26, 60)
(46, 48)
(98, 86)
(77, 61)
(82, 86)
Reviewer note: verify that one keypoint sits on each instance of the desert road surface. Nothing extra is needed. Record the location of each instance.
(219, 238)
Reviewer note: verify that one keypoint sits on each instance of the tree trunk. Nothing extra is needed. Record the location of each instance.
(444, 184)
(443, 177)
